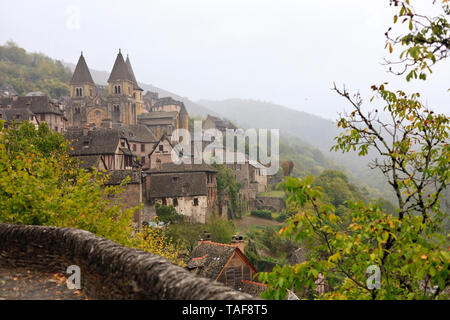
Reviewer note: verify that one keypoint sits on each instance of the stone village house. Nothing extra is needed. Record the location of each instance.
(108, 149)
(190, 188)
(37, 109)
(225, 263)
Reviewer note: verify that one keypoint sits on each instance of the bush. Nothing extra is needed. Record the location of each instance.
(262, 213)
(282, 217)
(168, 214)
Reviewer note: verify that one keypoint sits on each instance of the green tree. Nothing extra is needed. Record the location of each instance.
(41, 185)
(409, 247)
(227, 182)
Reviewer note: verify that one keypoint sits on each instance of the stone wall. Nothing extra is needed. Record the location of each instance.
(268, 203)
(108, 270)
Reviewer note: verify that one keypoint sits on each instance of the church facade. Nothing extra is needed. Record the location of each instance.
(121, 101)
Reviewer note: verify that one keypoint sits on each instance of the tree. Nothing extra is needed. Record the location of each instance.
(41, 185)
(409, 248)
(226, 182)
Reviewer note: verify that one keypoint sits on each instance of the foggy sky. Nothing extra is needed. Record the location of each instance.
(286, 52)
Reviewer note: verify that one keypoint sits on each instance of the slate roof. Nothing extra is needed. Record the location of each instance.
(88, 162)
(120, 70)
(16, 114)
(81, 74)
(98, 141)
(177, 184)
(170, 101)
(117, 176)
(158, 115)
(221, 124)
(136, 132)
(130, 70)
(174, 168)
(253, 288)
(209, 258)
(37, 104)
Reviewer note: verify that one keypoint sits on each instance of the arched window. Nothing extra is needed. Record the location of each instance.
(116, 114)
(117, 89)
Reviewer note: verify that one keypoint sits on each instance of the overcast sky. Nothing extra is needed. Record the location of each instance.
(286, 52)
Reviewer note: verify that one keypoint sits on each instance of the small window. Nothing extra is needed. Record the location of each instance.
(238, 167)
(56, 129)
(97, 114)
(161, 147)
(175, 202)
(122, 143)
(134, 147)
(142, 147)
(42, 117)
(164, 201)
(195, 202)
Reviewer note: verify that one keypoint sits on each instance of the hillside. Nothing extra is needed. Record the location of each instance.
(28, 72)
(310, 129)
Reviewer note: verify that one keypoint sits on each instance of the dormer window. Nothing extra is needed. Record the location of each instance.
(117, 89)
(79, 92)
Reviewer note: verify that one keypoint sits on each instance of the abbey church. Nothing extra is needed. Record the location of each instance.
(120, 102)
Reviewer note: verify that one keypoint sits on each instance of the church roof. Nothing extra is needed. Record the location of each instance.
(120, 70)
(81, 74)
(130, 71)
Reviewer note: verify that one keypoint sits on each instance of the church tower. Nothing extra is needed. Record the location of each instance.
(124, 95)
(137, 91)
(81, 84)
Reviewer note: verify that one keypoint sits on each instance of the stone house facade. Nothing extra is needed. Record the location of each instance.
(191, 189)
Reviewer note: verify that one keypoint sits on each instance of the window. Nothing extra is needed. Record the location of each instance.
(238, 167)
(91, 92)
(134, 147)
(77, 110)
(143, 160)
(195, 202)
(142, 147)
(56, 129)
(122, 143)
(79, 92)
(42, 117)
(161, 147)
(164, 201)
(175, 202)
(117, 89)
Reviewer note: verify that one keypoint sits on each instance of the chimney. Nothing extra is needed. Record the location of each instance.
(238, 242)
(205, 236)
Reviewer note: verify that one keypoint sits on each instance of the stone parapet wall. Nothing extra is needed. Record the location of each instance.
(108, 270)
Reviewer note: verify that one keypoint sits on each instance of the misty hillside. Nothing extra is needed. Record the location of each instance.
(313, 130)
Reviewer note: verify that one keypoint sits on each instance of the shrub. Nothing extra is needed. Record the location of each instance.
(262, 213)
(168, 214)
